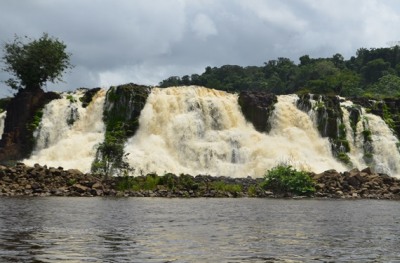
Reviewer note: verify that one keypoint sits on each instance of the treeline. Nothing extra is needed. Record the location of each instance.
(371, 73)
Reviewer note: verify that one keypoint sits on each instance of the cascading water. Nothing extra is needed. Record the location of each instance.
(197, 130)
(68, 133)
(356, 153)
(372, 143)
(2, 119)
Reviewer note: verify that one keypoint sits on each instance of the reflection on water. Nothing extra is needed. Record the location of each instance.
(198, 230)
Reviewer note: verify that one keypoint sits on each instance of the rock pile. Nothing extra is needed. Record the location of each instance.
(22, 180)
(356, 184)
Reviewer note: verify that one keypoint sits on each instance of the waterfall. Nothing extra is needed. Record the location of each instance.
(373, 143)
(2, 119)
(355, 140)
(68, 133)
(197, 130)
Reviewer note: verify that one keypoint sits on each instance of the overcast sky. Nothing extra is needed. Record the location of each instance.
(145, 41)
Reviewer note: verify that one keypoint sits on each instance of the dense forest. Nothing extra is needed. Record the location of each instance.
(371, 73)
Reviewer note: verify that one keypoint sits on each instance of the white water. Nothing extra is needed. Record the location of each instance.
(197, 130)
(355, 140)
(2, 119)
(386, 156)
(69, 146)
(201, 131)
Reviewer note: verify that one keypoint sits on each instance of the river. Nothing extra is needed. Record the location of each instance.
(198, 230)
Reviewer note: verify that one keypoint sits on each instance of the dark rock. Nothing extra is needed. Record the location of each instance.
(16, 142)
(79, 188)
(257, 108)
(88, 96)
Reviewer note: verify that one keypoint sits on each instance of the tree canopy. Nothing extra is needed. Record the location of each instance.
(372, 72)
(35, 62)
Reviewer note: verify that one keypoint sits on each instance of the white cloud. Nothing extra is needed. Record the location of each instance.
(203, 27)
(147, 41)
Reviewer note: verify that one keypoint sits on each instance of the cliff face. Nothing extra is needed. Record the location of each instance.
(123, 106)
(17, 142)
(121, 117)
(257, 107)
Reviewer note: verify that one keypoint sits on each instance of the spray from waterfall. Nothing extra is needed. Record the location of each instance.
(68, 133)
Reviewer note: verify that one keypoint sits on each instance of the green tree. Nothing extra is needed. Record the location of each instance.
(36, 62)
(374, 70)
(386, 87)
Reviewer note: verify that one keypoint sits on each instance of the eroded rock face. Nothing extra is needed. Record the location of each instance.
(17, 141)
(257, 108)
(328, 112)
(124, 104)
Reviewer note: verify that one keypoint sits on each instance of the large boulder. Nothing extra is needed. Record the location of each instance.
(257, 108)
(17, 140)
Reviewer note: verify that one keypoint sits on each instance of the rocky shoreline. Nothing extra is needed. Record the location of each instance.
(23, 180)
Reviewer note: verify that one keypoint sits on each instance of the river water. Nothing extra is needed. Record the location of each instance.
(198, 230)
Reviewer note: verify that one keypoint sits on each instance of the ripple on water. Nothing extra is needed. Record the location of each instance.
(197, 230)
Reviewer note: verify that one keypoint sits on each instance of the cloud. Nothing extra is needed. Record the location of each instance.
(204, 27)
(147, 41)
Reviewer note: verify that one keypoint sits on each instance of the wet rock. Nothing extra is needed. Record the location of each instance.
(257, 108)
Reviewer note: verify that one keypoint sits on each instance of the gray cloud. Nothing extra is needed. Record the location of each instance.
(114, 42)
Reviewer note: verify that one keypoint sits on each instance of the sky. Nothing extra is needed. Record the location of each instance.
(115, 42)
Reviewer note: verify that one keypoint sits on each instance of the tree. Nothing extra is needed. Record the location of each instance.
(36, 62)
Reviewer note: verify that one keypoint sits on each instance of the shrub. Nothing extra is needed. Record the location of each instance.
(225, 187)
(284, 179)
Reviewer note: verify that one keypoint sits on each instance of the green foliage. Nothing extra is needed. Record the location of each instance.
(344, 158)
(125, 183)
(71, 98)
(37, 118)
(367, 135)
(71, 181)
(36, 62)
(225, 187)
(284, 179)
(187, 182)
(386, 87)
(169, 180)
(366, 74)
(110, 156)
(252, 191)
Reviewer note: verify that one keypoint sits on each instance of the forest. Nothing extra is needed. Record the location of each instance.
(371, 73)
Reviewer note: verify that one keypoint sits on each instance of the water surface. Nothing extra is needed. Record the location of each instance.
(198, 230)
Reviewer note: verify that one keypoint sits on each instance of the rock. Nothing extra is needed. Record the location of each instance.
(16, 142)
(394, 189)
(79, 188)
(98, 186)
(367, 170)
(257, 107)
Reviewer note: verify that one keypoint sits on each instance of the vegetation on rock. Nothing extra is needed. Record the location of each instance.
(121, 117)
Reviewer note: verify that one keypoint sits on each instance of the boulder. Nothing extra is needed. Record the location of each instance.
(257, 107)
